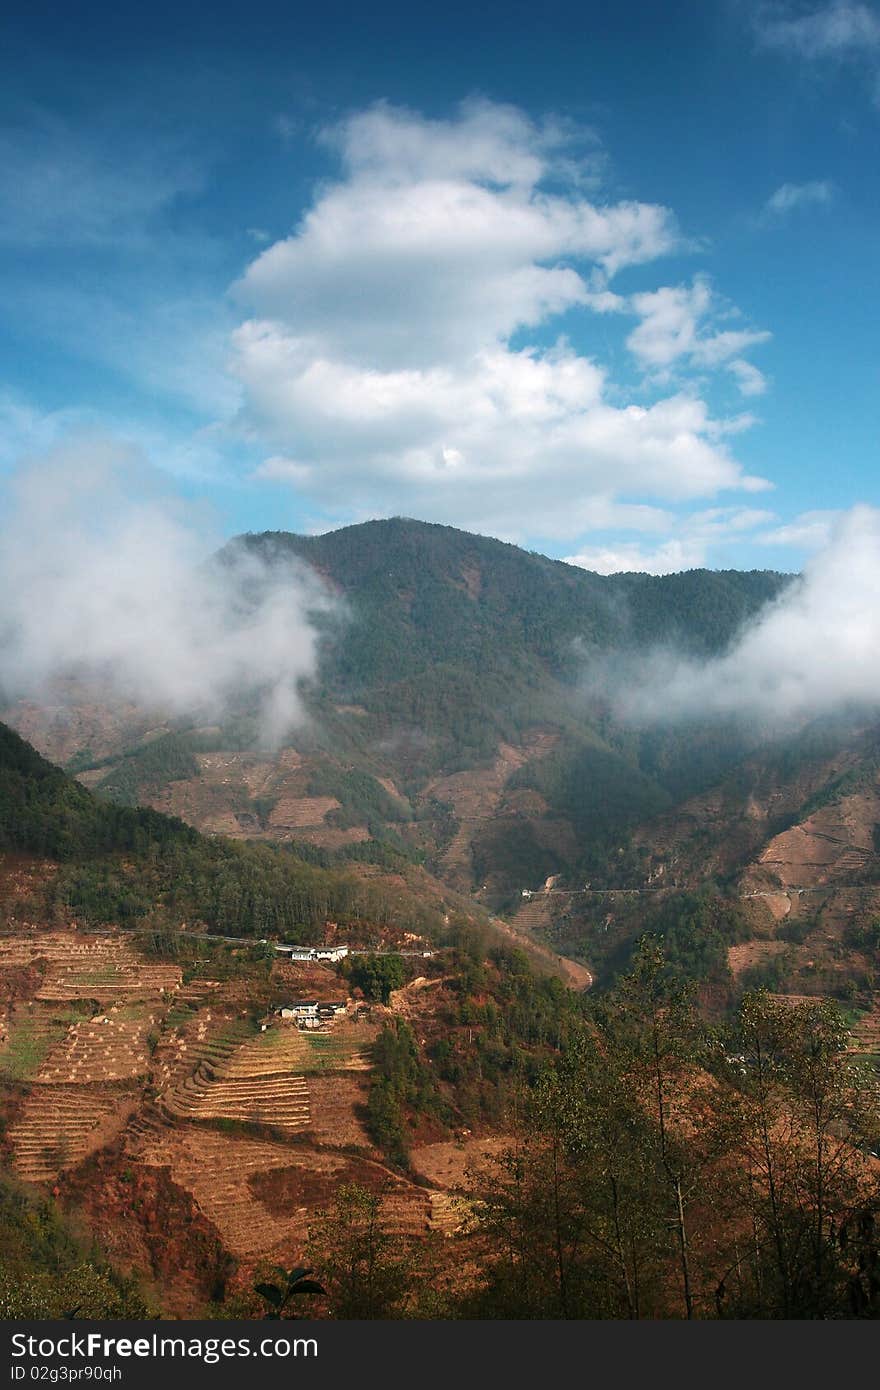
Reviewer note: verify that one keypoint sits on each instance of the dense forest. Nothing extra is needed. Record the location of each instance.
(658, 1167)
(130, 866)
(473, 640)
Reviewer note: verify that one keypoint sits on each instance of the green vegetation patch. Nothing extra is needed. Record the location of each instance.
(363, 800)
(330, 1051)
(148, 767)
(47, 1271)
(32, 1038)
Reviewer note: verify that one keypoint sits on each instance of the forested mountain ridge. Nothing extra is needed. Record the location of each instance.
(136, 867)
(449, 714)
(436, 592)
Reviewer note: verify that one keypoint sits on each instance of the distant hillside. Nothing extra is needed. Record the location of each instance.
(45, 812)
(133, 866)
(449, 721)
(432, 606)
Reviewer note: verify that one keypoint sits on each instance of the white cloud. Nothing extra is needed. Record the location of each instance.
(436, 243)
(840, 30)
(379, 363)
(816, 650)
(517, 440)
(104, 578)
(668, 558)
(696, 535)
(679, 323)
(489, 142)
(790, 196)
(810, 531)
(749, 379)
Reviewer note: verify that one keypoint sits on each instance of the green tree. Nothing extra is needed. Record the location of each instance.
(377, 975)
(803, 1119)
(368, 1271)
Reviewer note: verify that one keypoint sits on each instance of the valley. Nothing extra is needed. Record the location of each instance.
(462, 799)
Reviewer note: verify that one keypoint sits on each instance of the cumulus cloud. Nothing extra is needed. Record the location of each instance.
(681, 323)
(105, 578)
(436, 241)
(815, 651)
(400, 354)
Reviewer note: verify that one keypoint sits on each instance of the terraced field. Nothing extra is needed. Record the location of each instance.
(113, 1049)
(343, 1049)
(261, 1195)
(84, 1070)
(30, 1032)
(475, 796)
(260, 1081)
(192, 1036)
(866, 1033)
(336, 1103)
(747, 954)
(110, 1047)
(109, 979)
(59, 1126)
(78, 966)
(533, 916)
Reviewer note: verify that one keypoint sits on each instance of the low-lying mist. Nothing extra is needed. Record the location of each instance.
(815, 651)
(107, 579)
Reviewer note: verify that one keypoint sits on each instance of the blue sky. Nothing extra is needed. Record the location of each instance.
(604, 284)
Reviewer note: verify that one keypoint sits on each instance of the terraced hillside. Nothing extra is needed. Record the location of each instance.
(113, 1067)
(260, 1081)
(88, 966)
(60, 1126)
(82, 1071)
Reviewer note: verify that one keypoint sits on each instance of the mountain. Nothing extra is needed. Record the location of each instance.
(194, 1142)
(450, 717)
(457, 735)
(197, 1140)
(102, 864)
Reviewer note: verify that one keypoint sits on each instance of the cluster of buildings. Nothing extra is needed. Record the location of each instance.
(311, 1014)
(314, 953)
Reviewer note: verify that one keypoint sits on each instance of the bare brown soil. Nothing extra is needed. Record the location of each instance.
(75, 720)
(333, 837)
(722, 830)
(476, 796)
(451, 1164)
(150, 1227)
(750, 953)
(833, 845)
(172, 1123)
